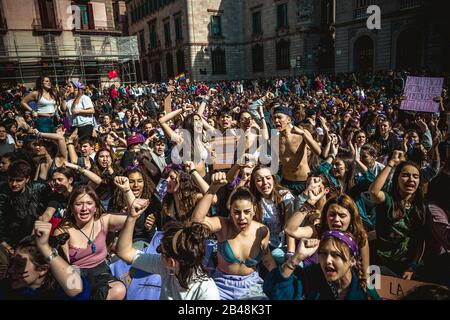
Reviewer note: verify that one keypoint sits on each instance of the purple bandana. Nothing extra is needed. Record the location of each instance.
(345, 237)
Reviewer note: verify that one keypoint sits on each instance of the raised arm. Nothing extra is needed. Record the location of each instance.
(308, 139)
(167, 129)
(375, 188)
(89, 174)
(293, 228)
(62, 147)
(69, 280)
(201, 210)
(125, 248)
(73, 157)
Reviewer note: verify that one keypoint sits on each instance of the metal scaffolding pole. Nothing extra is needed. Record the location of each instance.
(17, 55)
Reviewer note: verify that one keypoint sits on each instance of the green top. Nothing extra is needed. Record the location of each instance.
(396, 238)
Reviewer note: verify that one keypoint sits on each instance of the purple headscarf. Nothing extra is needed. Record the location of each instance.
(345, 237)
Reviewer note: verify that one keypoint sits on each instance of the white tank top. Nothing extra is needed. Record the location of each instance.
(46, 106)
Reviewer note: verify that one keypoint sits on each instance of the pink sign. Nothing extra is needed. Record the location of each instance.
(420, 92)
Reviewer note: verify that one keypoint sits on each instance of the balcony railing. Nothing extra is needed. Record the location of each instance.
(49, 28)
(410, 4)
(99, 30)
(360, 13)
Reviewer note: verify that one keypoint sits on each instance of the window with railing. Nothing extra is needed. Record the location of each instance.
(218, 61)
(256, 22)
(410, 4)
(360, 8)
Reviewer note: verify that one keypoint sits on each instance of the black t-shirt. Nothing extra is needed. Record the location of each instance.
(59, 203)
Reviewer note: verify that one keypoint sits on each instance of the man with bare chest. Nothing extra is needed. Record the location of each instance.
(294, 145)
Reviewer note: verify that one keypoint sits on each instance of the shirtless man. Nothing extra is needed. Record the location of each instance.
(294, 144)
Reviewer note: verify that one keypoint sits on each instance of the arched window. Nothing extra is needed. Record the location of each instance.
(363, 54)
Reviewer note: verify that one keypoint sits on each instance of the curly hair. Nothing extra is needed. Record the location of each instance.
(186, 243)
(186, 193)
(147, 192)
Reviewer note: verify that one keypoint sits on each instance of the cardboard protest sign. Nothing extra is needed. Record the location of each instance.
(168, 103)
(420, 92)
(393, 288)
(224, 149)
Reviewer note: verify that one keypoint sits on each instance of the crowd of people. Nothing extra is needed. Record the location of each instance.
(133, 176)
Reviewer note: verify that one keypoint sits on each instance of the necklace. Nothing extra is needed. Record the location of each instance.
(91, 235)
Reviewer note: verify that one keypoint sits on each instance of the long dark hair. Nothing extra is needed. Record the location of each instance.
(244, 193)
(40, 89)
(29, 245)
(417, 199)
(187, 192)
(189, 126)
(349, 180)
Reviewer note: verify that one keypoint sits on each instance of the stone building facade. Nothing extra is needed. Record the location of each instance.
(232, 39)
(414, 34)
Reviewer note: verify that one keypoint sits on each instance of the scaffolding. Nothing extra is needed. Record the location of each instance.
(86, 58)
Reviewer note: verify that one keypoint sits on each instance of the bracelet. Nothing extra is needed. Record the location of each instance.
(192, 171)
(53, 255)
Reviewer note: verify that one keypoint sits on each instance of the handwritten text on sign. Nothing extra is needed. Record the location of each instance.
(420, 92)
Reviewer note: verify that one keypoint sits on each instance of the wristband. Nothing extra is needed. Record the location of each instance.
(192, 171)
(288, 255)
(289, 266)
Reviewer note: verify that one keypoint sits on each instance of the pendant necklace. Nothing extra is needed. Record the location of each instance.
(90, 242)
